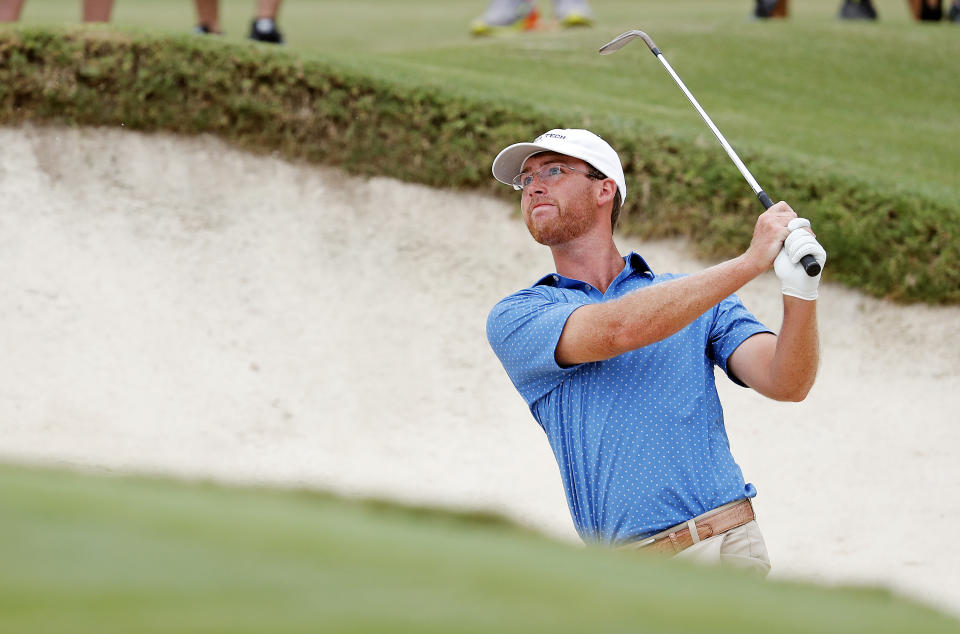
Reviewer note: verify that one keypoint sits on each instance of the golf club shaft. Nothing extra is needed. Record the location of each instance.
(808, 262)
(723, 141)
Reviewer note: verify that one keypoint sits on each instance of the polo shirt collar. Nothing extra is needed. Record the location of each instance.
(633, 263)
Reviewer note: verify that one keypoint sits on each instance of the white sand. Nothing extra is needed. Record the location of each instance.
(173, 305)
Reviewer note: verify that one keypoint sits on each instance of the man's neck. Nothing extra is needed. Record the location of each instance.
(592, 259)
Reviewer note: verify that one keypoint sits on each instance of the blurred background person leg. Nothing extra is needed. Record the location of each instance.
(10, 10)
(97, 10)
(93, 10)
(927, 10)
(523, 15)
(208, 16)
(954, 14)
(857, 10)
(264, 26)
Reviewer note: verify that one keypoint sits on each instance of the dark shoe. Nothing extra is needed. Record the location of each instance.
(857, 10)
(764, 8)
(203, 29)
(265, 30)
(931, 14)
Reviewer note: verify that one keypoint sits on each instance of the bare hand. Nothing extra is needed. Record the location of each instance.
(769, 234)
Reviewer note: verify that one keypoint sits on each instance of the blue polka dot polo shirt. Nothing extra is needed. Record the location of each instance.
(639, 438)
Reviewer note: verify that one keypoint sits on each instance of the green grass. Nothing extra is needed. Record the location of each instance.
(97, 553)
(875, 101)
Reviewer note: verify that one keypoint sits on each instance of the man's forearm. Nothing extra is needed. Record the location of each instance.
(797, 356)
(603, 331)
(782, 367)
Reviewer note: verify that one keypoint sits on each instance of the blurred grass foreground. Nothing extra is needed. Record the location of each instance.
(101, 553)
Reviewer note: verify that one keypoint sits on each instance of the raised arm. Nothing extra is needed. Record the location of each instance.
(782, 367)
(602, 331)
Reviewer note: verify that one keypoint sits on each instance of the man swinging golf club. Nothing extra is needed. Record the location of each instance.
(616, 362)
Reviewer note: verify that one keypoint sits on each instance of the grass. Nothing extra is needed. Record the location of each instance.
(875, 101)
(100, 553)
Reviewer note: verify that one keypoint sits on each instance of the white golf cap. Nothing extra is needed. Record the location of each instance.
(581, 144)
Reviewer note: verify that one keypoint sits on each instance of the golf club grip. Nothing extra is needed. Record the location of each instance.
(808, 262)
(810, 265)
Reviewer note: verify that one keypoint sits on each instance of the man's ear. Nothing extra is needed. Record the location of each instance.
(606, 191)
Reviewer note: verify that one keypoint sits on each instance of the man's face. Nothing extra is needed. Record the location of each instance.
(561, 209)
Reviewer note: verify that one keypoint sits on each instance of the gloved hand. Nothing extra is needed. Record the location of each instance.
(794, 281)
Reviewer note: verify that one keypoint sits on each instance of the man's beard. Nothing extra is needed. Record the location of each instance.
(567, 225)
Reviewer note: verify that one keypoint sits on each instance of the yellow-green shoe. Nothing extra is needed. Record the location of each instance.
(507, 16)
(575, 19)
(572, 12)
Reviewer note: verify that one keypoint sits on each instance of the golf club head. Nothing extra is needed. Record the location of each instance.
(622, 40)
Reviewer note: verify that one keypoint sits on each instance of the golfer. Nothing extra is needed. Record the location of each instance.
(616, 362)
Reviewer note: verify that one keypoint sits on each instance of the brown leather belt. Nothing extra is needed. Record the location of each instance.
(678, 538)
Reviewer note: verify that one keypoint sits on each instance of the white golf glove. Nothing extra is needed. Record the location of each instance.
(794, 281)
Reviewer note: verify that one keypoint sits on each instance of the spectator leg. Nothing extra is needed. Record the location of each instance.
(10, 10)
(268, 9)
(208, 14)
(97, 10)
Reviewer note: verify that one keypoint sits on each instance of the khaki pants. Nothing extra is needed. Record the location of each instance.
(742, 548)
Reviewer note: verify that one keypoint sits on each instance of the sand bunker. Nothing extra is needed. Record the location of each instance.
(174, 305)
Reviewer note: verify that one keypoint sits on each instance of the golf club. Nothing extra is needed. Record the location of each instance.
(808, 262)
